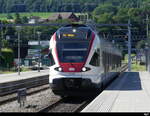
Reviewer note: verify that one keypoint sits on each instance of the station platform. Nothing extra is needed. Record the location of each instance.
(130, 92)
(5, 78)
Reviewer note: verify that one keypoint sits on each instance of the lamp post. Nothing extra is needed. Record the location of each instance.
(39, 34)
(18, 28)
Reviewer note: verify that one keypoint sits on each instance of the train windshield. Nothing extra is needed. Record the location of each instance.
(74, 52)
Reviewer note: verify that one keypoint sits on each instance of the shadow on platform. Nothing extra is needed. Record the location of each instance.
(131, 82)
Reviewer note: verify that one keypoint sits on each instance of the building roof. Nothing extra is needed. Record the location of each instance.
(64, 15)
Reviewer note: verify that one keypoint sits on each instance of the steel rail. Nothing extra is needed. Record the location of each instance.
(49, 107)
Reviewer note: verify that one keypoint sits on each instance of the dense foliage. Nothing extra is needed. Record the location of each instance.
(7, 57)
(63, 5)
(120, 12)
(45, 5)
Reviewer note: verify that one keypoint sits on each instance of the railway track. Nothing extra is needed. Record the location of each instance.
(8, 91)
(13, 96)
(68, 104)
(6, 88)
(63, 105)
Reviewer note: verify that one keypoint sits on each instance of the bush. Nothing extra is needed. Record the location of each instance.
(7, 57)
(2, 61)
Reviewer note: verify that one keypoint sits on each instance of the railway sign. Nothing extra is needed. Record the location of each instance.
(22, 96)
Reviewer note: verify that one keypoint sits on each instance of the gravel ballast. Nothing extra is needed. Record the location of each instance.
(33, 102)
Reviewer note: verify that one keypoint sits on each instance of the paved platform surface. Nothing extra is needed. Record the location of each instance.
(129, 93)
(23, 75)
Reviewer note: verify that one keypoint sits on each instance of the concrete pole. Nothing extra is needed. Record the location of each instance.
(39, 33)
(18, 28)
(1, 38)
(0, 42)
(18, 52)
(1, 47)
(146, 55)
(147, 26)
(129, 46)
(147, 42)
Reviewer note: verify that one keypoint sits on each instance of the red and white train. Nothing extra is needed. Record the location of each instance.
(81, 61)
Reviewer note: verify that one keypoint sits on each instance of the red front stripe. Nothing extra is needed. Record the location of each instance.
(72, 67)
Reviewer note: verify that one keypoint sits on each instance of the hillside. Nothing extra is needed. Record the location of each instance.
(7, 6)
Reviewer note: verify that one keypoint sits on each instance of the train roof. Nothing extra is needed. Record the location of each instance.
(76, 25)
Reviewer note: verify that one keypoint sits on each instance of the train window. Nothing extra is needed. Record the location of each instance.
(113, 65)
(110, 57)
(104, 61)
(73, 56)
(72, 51)
(95, 60)
(52, 62)
(107, 62)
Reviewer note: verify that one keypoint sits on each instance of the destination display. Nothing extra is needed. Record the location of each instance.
(69, 35)
(73, 36)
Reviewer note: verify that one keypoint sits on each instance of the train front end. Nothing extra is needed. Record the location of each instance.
(69, 53)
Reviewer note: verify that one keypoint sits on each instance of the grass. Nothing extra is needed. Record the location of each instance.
(134, 66)
(3, 16)
(6, 72)
(13, 71)
(137, 67)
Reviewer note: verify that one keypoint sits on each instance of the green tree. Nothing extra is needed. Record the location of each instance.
(106, 8)
(5, 43)
(24, 19)
(105, 18)
(9, 16)
(18, 18)
(8, 57)
(121, 16)
(140, 44)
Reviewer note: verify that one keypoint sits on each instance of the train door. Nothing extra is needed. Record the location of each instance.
(95, 65)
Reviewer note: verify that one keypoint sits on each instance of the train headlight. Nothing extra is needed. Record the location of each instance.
(74, 30)
(58, 69)
(84, 69)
